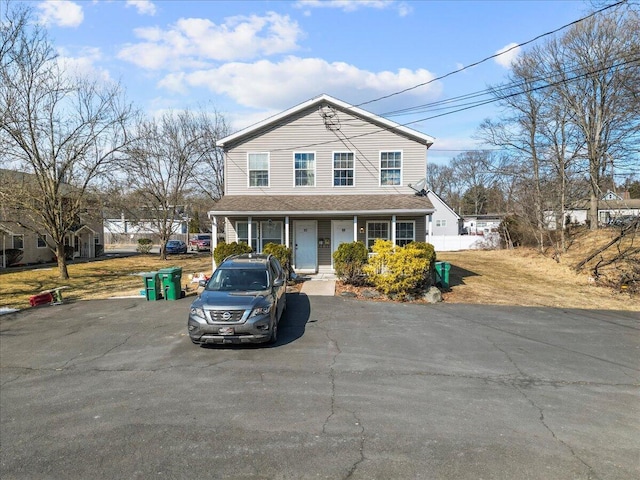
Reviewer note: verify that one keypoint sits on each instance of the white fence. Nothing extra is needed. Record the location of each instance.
(451, 243)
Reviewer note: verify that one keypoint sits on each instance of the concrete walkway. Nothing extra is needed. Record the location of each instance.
(319, 285)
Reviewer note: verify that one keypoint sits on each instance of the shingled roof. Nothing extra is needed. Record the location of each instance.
(329, 205)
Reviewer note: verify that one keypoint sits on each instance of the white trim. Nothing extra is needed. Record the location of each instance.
(324, 98)
(322, 213)
(413, 239)
(315, 164)
(400, 183)
(268, 154)
(367, 230)
(333, 169)
(44, 240)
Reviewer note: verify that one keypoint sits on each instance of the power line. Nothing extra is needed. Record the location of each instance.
(476, 104)
(492, 56)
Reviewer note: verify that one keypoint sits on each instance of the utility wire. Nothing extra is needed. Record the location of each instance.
(492, 56)
(477, 104)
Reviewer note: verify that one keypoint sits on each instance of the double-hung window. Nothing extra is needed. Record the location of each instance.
(405, 233)
(42, 241)
(375, 231)
(271, 232)
(305, 169)
(242, 231)
(18, 242)
(258, 169)
(441, 223)
(390, 168)
(343, 169)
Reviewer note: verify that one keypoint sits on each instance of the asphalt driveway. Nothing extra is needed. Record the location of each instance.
(114, 389)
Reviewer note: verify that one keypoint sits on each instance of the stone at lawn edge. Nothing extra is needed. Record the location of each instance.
(433, 295)
(348, 294)
(369, 293)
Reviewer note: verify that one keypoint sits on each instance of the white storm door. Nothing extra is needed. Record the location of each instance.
(305, 248)
(341, 232)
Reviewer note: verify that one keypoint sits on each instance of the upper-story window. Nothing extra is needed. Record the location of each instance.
(390, 168)
(304, 169)
(258, 169)
(343, 169)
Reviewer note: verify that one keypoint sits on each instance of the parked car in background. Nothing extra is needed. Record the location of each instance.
(242, 302)
(200, 242)
(175, 246)
(624, 220)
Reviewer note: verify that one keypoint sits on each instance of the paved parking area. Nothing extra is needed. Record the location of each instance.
(114, 389)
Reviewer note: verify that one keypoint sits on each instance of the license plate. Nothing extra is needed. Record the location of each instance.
(226, 331)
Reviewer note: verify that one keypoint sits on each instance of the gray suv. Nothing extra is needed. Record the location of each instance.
(242, 302)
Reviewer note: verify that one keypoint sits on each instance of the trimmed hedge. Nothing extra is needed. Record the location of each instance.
(282, 253)
(349, 260)
(223, 250)
(144, 245)
(400, 271)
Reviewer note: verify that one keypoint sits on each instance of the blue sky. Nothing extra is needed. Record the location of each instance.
(250, 60)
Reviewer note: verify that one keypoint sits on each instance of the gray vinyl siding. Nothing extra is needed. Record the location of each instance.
(306, 132)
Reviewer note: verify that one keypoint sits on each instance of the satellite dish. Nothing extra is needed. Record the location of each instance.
(420, 187)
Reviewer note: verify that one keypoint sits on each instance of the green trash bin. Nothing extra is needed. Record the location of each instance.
(152, 286)
(171, 279)
(442, 273)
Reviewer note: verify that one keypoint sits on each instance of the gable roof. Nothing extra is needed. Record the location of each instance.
(325, 99)
(435, 198)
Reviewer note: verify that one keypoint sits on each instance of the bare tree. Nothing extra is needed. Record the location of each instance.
(165, 163)
(210, 169)
(600, 90)
(60, 128)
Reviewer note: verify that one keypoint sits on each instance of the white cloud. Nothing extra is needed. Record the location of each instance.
(277, 88)
(403, 8)
(194, 42)
(507, 55)
(61, 13)
(144, 7)
(84, 64)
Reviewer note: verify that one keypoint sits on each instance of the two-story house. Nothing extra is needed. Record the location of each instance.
(319, 174)
(19, 230)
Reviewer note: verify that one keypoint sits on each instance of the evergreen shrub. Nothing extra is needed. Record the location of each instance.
(349, 260)
(223, 250)
(400, 271)
(144, 245)
(282, 253)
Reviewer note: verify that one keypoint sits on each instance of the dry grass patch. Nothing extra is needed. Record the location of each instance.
(92, 280)
(526, 278)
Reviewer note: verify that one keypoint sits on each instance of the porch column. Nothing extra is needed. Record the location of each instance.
(355, 228)
(286, 232)
(214, 240)
(393, 230)
(250, 231)
(429, 219)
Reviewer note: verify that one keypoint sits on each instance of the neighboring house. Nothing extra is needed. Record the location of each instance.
(445, 220)
(17, 232)
(481, 224)
(120, 229)
(610, 207)
(320, 174)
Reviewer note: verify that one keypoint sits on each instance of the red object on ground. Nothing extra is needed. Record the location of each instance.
(40, 299)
